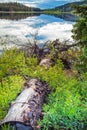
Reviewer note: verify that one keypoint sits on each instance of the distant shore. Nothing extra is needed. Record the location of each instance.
(20, 12)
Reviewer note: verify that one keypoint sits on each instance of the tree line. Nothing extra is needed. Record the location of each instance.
(9, 7)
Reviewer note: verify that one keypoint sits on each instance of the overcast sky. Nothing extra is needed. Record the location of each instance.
(41, 3)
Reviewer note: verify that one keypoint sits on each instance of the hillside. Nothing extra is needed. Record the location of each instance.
(15, 7)
(67, 7)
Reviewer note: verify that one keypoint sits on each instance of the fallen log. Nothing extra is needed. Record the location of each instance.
(45, 62)
(27, 108)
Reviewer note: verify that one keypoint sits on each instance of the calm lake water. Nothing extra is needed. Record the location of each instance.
(20, 29)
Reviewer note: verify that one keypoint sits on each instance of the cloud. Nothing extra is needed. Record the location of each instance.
(41, 3)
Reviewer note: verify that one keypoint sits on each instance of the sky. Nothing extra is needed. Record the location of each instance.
(42, 3)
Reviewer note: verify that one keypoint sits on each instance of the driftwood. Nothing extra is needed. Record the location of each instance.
(27, 108)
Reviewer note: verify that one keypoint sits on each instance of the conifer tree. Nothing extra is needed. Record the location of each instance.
(80, 35)
(80, 28)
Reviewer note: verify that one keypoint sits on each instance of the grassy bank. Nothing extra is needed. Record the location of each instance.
(51, 12)
(66, 105)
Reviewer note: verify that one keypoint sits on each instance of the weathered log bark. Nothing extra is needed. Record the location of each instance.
(27, 108)
(45, 62)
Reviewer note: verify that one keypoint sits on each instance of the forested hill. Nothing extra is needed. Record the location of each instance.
(68, 7)
(10, 7)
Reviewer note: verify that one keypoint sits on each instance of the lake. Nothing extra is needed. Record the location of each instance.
(22, 28)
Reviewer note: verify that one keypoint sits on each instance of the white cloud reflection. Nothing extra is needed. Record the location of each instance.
(57, 30)
(18, 30)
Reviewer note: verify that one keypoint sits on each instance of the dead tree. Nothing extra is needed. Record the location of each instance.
(27, 108)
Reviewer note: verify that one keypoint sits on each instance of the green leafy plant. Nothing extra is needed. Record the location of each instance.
(9, 88)
(65, 108)
(66, 105)
(11, 62)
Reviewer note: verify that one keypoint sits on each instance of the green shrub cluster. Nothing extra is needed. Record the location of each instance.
(12, 65)
(11, 62)
(14, 62)
(66, 105)
(9, 88)
(11, 81)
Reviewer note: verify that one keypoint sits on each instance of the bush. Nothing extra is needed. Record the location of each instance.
(11, 62)
(9, 88)
(66, 106)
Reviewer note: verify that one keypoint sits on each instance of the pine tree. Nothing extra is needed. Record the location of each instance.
(80, 35)
(80, 28)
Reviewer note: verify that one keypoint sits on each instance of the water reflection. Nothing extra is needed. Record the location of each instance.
(49, 28)
(17, 16)
(67, 17)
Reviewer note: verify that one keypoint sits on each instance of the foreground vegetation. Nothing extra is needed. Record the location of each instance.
(66, 105)
(9, 88)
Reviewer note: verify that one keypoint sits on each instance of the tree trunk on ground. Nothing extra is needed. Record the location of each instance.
(27, 108)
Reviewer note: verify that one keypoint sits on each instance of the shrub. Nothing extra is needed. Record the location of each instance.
(9, 88)
(66, 106)
(11, 62)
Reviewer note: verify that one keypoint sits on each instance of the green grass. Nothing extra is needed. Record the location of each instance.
(6, 127)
